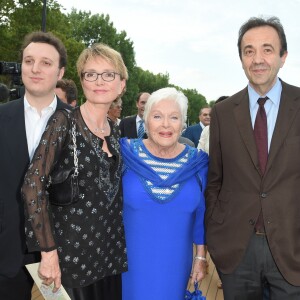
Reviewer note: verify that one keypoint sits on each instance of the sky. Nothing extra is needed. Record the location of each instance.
(195, 41)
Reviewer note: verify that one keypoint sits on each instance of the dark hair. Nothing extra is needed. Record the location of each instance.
(139, 96)
(47, 38)
(254, 22)
(205, 106)
(221, 99)
(69, 87)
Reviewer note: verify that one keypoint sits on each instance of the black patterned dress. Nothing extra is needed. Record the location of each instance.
(89, 234)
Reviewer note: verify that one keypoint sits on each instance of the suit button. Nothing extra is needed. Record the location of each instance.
(251, 222)
(263, 195)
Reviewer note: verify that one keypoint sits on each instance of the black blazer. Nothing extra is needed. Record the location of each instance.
(14, 160)
(128, 128)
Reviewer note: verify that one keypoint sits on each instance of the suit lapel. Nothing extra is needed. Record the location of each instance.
(16, 136)
(133, 128)
(244, 125)
(289, 106)
(62, 105)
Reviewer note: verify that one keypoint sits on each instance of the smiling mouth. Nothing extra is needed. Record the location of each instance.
(259, 72)
(165, 134)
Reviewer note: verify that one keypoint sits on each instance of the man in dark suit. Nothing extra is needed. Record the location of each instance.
(193, 132)
(129, 126)
(22, 123)
(252, 196)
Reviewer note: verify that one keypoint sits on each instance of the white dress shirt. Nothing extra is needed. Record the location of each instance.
(204, 140)
(35, 123)
(271, 106)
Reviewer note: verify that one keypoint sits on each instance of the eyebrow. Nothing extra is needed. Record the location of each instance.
(159, 111)
(268, 45)
(94, 71)
(32, 56)
(248, 47)
(264, 45)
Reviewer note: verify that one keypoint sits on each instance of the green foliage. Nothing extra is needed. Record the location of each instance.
(149, 82)
(196, 102)
(211, 103)
(80, 29)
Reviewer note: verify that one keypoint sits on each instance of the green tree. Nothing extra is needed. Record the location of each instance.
(150, 82)
(196, 102)
(98, 28)
(30, 12)
(80, 29)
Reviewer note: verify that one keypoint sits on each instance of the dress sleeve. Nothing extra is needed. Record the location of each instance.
(199, 226)
(38, 224)
(198, 230)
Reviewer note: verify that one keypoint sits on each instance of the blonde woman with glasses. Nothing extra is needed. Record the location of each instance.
(82, 244)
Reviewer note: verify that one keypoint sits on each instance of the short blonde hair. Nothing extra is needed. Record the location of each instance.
(107, 53)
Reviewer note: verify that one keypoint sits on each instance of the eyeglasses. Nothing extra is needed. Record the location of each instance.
(93, 76)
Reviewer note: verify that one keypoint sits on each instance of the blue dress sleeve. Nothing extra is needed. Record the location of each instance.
(199, 230)
(199, 227)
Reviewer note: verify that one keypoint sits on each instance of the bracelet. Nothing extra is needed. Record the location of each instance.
(200, 258)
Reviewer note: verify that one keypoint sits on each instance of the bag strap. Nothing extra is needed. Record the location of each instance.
(73, 136)
(73, 133)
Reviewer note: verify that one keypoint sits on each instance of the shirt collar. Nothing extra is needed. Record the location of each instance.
(273, 94)
(138, 118)
(52, 106)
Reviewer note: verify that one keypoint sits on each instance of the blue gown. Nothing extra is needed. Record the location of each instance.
(160, 234)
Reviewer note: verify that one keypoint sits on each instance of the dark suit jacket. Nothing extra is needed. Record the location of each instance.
(237, 191)
(193, 133)
(128, 128)
(14, 160)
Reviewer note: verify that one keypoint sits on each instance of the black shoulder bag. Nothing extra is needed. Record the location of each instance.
(62, 187)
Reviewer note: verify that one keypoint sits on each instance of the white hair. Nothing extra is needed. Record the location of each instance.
(168, 93)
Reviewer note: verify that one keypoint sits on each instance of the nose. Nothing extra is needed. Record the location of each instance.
(258, 57)
(99, 80)
(166, 122)
(35, 67)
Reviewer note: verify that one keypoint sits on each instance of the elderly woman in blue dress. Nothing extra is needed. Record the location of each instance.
(163, 185)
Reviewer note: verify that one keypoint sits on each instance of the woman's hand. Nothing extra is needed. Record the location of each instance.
(199, 264)
(49, 270)
(199, 270)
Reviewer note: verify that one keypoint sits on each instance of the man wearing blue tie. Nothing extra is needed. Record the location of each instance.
(133, 127)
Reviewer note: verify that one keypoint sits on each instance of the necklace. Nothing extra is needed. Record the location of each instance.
(97, 129)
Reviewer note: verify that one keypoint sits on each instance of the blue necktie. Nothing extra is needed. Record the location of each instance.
(141, 129)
